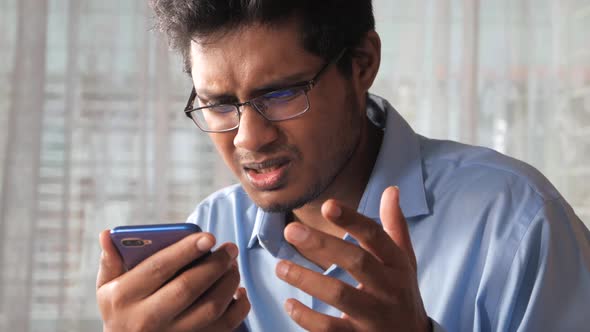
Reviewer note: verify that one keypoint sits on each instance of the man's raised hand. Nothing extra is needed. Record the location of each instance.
(387, 297)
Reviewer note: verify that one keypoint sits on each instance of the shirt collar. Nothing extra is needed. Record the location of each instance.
(399, 163)
(268, 231)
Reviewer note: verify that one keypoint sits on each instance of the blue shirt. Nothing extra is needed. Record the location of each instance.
(498, 248)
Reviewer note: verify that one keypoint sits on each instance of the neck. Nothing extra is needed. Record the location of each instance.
(349, 184)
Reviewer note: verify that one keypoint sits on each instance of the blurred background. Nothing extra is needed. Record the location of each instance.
(92, 133)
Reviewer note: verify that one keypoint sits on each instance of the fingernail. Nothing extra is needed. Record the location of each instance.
(397, 195)
(238, 294)
(288, 307)
(204, 244)
(335, 211)
(298, 232)
(232, 251)
(283, 268)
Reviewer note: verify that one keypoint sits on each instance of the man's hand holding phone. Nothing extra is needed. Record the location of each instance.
(145, 298)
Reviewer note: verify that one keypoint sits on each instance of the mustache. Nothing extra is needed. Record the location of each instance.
(281, 152)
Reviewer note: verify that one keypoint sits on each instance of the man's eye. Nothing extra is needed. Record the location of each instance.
(213, 102)
(203, 103)
(282, 94)
(222, 109)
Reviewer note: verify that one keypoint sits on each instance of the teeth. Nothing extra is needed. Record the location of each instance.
(267, 170)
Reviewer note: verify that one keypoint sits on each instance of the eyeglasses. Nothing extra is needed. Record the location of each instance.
(278, 105)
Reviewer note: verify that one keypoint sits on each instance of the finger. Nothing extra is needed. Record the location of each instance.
(314, 321)
(156, 270)
(235, 313)
(395, 224)
(334, 292)
(366, 231)
(111, 265)
(319, 246)
(182, 291)
(214, 302)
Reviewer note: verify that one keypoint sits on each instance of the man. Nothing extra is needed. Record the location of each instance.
(316, 232)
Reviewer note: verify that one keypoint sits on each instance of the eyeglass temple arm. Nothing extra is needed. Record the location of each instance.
(335, 60)
(191, 100)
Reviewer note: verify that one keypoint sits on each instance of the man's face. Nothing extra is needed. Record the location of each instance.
(281, 165)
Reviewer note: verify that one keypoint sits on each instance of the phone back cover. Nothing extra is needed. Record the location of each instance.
(160, 236)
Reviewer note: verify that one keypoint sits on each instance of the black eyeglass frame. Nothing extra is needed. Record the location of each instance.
(306, 85)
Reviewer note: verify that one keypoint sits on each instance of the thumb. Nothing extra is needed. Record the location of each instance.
(394, 223)
(111, 266)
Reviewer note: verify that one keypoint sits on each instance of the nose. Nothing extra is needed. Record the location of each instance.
(254, 131)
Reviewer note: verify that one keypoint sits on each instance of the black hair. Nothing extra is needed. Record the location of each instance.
(327, 26)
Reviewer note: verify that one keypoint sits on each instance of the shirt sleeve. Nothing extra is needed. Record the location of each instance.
(548, 283)
(199, 216)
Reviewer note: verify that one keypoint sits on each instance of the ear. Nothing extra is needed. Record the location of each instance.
(366, 58)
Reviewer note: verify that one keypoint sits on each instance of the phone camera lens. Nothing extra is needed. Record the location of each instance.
(132, 242)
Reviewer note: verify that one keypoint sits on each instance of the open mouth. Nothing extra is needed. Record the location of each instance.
(267, 175)
(264, 170)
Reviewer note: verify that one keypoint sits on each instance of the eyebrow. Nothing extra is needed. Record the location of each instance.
(278, 84)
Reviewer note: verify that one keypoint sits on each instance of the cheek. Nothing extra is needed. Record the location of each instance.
(336, 133)
(336, 116)
(332, 125)
(323, 138)
(224, 143)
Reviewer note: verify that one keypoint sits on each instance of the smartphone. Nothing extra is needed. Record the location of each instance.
(138, 242)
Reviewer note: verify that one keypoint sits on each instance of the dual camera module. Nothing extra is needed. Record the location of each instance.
(135, 242)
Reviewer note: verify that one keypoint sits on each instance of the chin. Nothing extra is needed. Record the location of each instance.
(280, 201)
(273, 201)
(281, 207)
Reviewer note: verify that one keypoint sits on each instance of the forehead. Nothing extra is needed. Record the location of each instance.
(250, 56)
